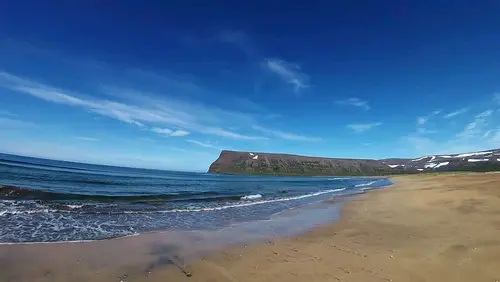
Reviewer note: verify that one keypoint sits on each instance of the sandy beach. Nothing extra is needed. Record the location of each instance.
(423, 228)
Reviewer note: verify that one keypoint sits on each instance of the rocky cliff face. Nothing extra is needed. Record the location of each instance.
(283, 164)
(234, 162)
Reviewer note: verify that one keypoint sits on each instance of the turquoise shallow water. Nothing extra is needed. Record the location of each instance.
(46, 201)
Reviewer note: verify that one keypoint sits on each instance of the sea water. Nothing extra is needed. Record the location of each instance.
(52, 201)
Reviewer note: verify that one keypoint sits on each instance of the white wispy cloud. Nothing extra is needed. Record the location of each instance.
(289, 72)
(355, 102)
(170, 132)
(423, 119)
(238, 38)
(456, 113)
(7, 113)
(160, 130)
(10, 123)
(480, 133)
(362, 127)
(90, 139)
(203, 144)
(285, 135)
(145, 109)
(496, 98)
(476, 127)
(179, 132)
(423, 130)
(230, 134)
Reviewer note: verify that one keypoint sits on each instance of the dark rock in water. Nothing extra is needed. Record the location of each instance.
(233, 162)
(284, 164)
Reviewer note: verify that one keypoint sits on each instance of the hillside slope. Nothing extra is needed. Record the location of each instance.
(284, 164)
(234, 162)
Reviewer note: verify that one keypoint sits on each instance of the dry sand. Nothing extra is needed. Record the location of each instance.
(424, 228)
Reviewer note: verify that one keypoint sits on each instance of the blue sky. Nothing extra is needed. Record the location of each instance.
(168, 85)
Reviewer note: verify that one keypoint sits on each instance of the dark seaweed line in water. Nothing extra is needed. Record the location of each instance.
(17, 193)
(81, 209)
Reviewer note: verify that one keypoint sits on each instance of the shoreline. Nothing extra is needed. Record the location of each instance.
(420, 229)
(445, 230)
(272, 206)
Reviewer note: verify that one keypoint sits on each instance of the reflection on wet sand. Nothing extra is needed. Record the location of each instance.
(146, 256)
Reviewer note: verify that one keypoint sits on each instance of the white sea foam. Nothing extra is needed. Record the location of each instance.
(248, 204)
(420, 169)
(365, 184)
(256, 157)
(13, 211)
(251, 197)
(74, 206)
(498, 160)
(394, 166)
(206, 209)
(433, 157)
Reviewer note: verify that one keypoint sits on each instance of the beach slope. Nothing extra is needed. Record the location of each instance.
(423, 228)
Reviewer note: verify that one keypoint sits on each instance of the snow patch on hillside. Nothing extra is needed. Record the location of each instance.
(477, 160)
(442, 164)
(435, 165)
(472, 154)
(419, 159)
(430, 165)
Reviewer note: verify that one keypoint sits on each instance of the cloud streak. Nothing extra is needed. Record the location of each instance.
(11, 123)
(286, 135)
(476, 126)
(496, 98)
(7, 113)
(480, 133)
(170, 132)
(355, 102)
(362, 127)
(203, 144)
(288, 72)
(422, 120)
(456, 113)
(237, 38)
(90, 139)
(145, 111)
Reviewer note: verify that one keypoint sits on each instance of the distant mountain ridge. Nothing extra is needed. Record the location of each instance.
(235, 162)
(488, 160)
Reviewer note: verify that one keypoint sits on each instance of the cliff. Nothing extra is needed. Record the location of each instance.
(233, 162)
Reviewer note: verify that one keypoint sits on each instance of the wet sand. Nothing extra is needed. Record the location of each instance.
(424, 228)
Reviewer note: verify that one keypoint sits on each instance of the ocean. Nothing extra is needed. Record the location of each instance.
(52, 201)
